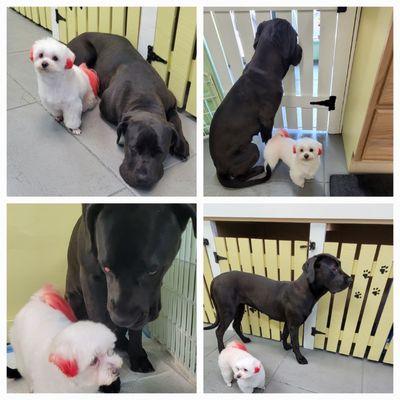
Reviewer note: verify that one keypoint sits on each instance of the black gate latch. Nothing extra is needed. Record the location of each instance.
(314, 332)
(341, 10)
(330, 103)
(218, 258)
(311, 246)
(59, 17)
(151, 56)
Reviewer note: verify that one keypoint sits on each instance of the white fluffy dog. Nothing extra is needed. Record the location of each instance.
(65, 90)
(56, 354)
(235, 362)
(302, 156)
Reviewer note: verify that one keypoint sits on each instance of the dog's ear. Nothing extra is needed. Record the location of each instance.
(257, 369)
(309, 268)
(297, 55)
(258, 33)
(89, 216)
(183, 212)
(121, 129)
(69, 367)
(284, 38)
(31, 52)
(320, 149)
(69, 63)
(294, 149)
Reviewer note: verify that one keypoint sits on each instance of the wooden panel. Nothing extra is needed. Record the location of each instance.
(209, 311)
(133, 24)
(379, 144)
(71, 23)
(48, 18)
(81, 18)
(191, 101)
(291, 117)
(389, 354)
(347, 254)
(278, 121)
(246, 34)
(386, 97)
(380, 276)
(284, 260)
(183, 53)
(42, 17)
(323, 303)
(93, 19)
(262, 16)
(35, 14)
(363, 269)
(28, 12)
(105, 19)
(118, 20)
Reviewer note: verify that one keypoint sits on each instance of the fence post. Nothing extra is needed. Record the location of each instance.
(210, 232)
(54, 24)
(317, 235)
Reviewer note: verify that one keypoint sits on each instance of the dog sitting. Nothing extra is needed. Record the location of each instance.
(54, 353)
(65, 90)
(301, 156)
(236, 362)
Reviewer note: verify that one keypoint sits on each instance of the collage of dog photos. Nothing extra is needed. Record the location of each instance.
(198, 198)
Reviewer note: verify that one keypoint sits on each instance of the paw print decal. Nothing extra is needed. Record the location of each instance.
(365, 273)
(376, 291)
(384, 269)
(357, 295)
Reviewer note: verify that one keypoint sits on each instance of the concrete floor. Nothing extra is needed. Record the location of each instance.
(165, 378)
(332, 162)
(325, 372)
(44, 159)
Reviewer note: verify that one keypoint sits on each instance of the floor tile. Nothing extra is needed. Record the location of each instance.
(16, 96)
(377, 377)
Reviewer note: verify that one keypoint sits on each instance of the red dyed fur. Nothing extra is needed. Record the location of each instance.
(52, 298)
(93, 77)
(67, 367)
(239, 346)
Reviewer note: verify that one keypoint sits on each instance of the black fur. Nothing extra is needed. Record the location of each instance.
(13, 373)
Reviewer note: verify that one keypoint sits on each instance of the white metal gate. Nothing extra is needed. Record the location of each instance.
(326, 36)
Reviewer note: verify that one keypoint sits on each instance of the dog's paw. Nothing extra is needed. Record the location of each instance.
(301, 359)
(246, 339)
(141, 365)
(115, 387)
(286, 346)
(59, 119)
(75, 131)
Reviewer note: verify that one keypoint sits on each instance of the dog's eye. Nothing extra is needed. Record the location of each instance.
(311, 150)
(40, 55)
(94, 361)
(55, 58)
(244, 369)
(301, 150)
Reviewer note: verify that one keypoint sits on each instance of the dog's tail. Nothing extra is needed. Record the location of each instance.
(13, 373)
(235, 183)
(216, 323)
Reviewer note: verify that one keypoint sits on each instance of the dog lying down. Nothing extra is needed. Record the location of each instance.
(235, 362)
(302, 156)
(55, 353)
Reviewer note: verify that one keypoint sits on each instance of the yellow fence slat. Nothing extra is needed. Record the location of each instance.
(300, 257)
(81, 20)
(28, 12)
(93, 19)
(208, 277)
(133, 24)
(389, 354)
(163, 37)
(35, 14)
(246, 263)
(183, 53)
(191, 101)
(323, 304)
(42, 17)
(347, 254)
(71, 23)
(364, 266)
(377, 288)
(284, 260)
(259, 269)
(104, 19)
(62, 26)
(48, 18)
(22, 11)
(118, 20)
(271, 262)
(221, 251)
(382, 331)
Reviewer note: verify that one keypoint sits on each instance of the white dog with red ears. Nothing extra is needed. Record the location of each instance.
(65, 90)
(302, 156)
(236, 362)
(54, 353)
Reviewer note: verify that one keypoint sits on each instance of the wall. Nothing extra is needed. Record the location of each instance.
(373, 31)
(38, 236)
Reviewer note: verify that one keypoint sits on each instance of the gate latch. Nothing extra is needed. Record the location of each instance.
(330, 103)
(59, 17)
(151, 56)
(314, 332)
(218, 258)
(311, 246)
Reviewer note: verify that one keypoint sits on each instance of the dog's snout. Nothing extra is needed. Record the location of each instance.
(306, 156)
(45, 64)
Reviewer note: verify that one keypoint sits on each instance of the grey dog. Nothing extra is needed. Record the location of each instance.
(289, 302)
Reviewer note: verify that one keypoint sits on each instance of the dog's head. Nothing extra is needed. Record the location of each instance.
(324, 270)
(147, 142)
(281, 34)
(84, 351)
(135, 245)
(50, 56)
(307, 150)
(246, 367)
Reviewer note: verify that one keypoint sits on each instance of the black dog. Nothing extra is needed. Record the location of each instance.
(289, 302)
(251, 105)
(135, 98)
(117, 257)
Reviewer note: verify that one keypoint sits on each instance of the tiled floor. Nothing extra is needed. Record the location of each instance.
(165, 378)
(332, 162)
(43, 159)
(325, 372)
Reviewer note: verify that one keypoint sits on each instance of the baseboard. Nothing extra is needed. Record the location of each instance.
(371, 167)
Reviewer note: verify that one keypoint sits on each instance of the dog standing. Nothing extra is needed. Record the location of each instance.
(250, 106)
(236, 362)
(302, 156)
(65, 90)
(288, 302)
(54, 353)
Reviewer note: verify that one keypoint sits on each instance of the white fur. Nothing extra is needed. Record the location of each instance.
(65, 93)
(239, 364)
(280, 147)
(40, 330)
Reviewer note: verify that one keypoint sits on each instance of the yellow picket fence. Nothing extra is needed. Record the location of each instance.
(355, 322)
(174, 40)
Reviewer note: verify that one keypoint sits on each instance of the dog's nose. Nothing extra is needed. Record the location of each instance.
(306, 156)
(45, 64)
